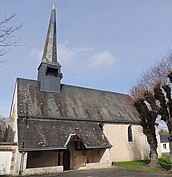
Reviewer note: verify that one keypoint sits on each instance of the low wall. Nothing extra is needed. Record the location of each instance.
(97, 165)
(43, 170)
(89, 166)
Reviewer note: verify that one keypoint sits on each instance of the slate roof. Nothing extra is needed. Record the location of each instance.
(74, 103)
(50, 48)
(164, 138)
(55, 134)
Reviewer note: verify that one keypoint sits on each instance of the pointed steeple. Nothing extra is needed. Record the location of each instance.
(49, 71)
(50, 48)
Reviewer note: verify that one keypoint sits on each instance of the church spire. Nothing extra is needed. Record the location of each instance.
(50, 48)
(49, 71)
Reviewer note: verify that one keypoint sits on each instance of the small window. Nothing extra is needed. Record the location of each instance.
(79, 145)
(164, 146)
(130, 136)
(51, 72)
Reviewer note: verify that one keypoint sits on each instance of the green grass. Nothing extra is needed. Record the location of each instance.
(164, 163)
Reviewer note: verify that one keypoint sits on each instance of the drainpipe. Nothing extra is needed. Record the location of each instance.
(23, 153)
(21, 163)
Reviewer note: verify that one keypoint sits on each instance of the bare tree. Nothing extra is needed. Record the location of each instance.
(152, 96)
(2, 128)
(145, 104)
(163, 95)
(7, 35)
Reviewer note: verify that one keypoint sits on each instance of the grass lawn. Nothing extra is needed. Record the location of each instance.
(164, 163)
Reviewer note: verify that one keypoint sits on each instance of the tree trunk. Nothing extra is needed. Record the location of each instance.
(148, 123)
(153, 163)
(153, 155)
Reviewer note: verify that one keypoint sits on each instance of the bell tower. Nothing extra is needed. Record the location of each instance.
(49, 71)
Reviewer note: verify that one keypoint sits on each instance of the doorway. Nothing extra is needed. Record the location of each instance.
(66, 159)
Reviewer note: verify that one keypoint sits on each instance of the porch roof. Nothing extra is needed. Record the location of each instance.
(43, 134)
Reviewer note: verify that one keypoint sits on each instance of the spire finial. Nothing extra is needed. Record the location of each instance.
(53, 5)
(50, 48)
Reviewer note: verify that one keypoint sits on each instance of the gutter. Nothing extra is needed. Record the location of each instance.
(45, 118)
(98, 147)
(41, 149)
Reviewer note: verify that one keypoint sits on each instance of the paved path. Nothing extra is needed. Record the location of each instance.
(113, 172)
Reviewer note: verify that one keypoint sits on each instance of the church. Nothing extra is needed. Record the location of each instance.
(56, 127)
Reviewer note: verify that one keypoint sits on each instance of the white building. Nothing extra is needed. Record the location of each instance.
(165, 148)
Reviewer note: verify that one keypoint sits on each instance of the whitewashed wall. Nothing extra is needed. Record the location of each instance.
(122, 150)
(5, 162)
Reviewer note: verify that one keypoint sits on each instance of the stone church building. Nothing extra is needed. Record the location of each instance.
(56, 127)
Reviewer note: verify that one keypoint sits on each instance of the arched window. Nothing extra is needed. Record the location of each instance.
(130, 136)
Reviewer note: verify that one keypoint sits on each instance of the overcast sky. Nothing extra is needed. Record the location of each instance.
(102, 44)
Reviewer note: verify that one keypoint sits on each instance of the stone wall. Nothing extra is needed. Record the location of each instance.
(122, 149)
(85, 159)
(43, 170)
